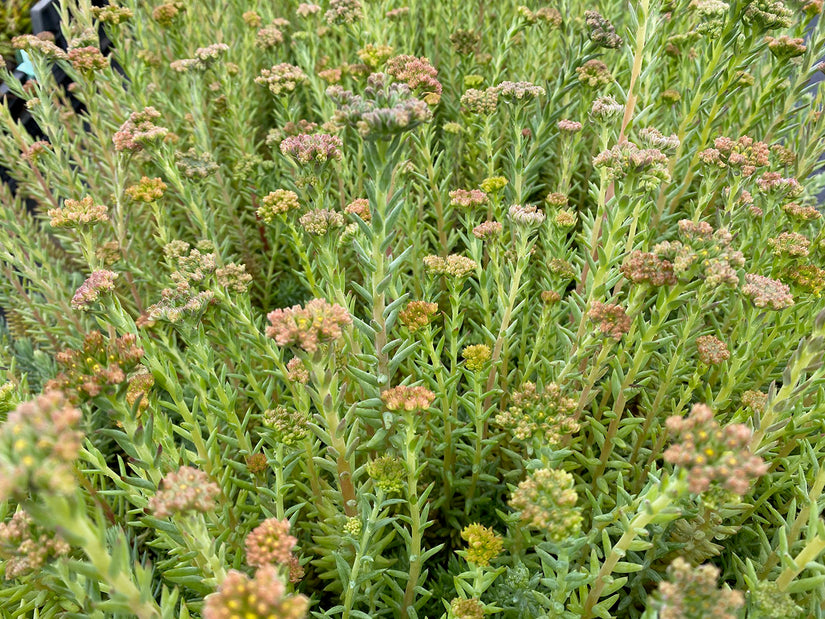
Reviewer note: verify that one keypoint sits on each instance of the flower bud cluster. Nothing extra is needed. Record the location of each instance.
(646, 165)
(711, 453)
(483, 545)
(547, 416)
(139, 131)
(318, 222)
(261, 596)
(476, 356)
(766, 292)
(99, 364)
(344, 12)
(407, 399)
(184, 491)
(712, 350)
(690, 592)
(612, 319)
(277, 202)
(282, 78)
(385, 108)
(647, 268)
(791, 244)
(601, 31)
(468, 198)
(547, 501)
(289, 425)
(39, 442)
(147, 190)
(417, 315)
(78, 213)
(25, 548)
(743, 155)
(387, 473)
(594, 73)
(307, 327)
(705, 253)
(454, 265)
(315, 148)
(99, 282)
(270, 543)
(418, 74)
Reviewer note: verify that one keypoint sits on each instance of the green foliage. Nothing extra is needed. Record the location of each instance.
(552, 273)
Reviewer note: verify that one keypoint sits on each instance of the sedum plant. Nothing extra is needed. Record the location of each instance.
(437, 309)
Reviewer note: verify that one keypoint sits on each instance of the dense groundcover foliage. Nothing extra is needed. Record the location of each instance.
(436, 309)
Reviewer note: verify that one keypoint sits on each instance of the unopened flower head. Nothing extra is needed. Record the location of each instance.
(87, 59)
(594, 73)
(282, 78)
(655, 139)
(691, 592)
(233, 277)
(647, 268)
(306, 9)
(526, 216)
(799, 212)
(454, 265)
(360, 208)
(269, 37)
(384, 109)
(316, 149)
(648, 166)
(566, 126)
(519, 91)
(318, 222)
(548, 416)
(418, 74)
(465, 42)
(289, 425)
(99, 366)
(488, 230)
(344, 12)
(417, 314)
(147, 190)
(261, 596)
(407, 399)
(139, 131)
(78, 213)
(493, 184)
(99, 282)
(612, 319)
(602, 32)
(476, 356)
(387, 473)
(712, 350)
(480, 102)
(483, 545)
(768, 15)
(710, 453)
(25, 547)
(791, 244)
(547, 501)
(766, 292)
(468, 198)
(269, 543)
(466, 608)
(278, 202)
(605, 108)
(184, 491)
(39, 442)
(307, 327)
(194, 165)
(785, 47)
